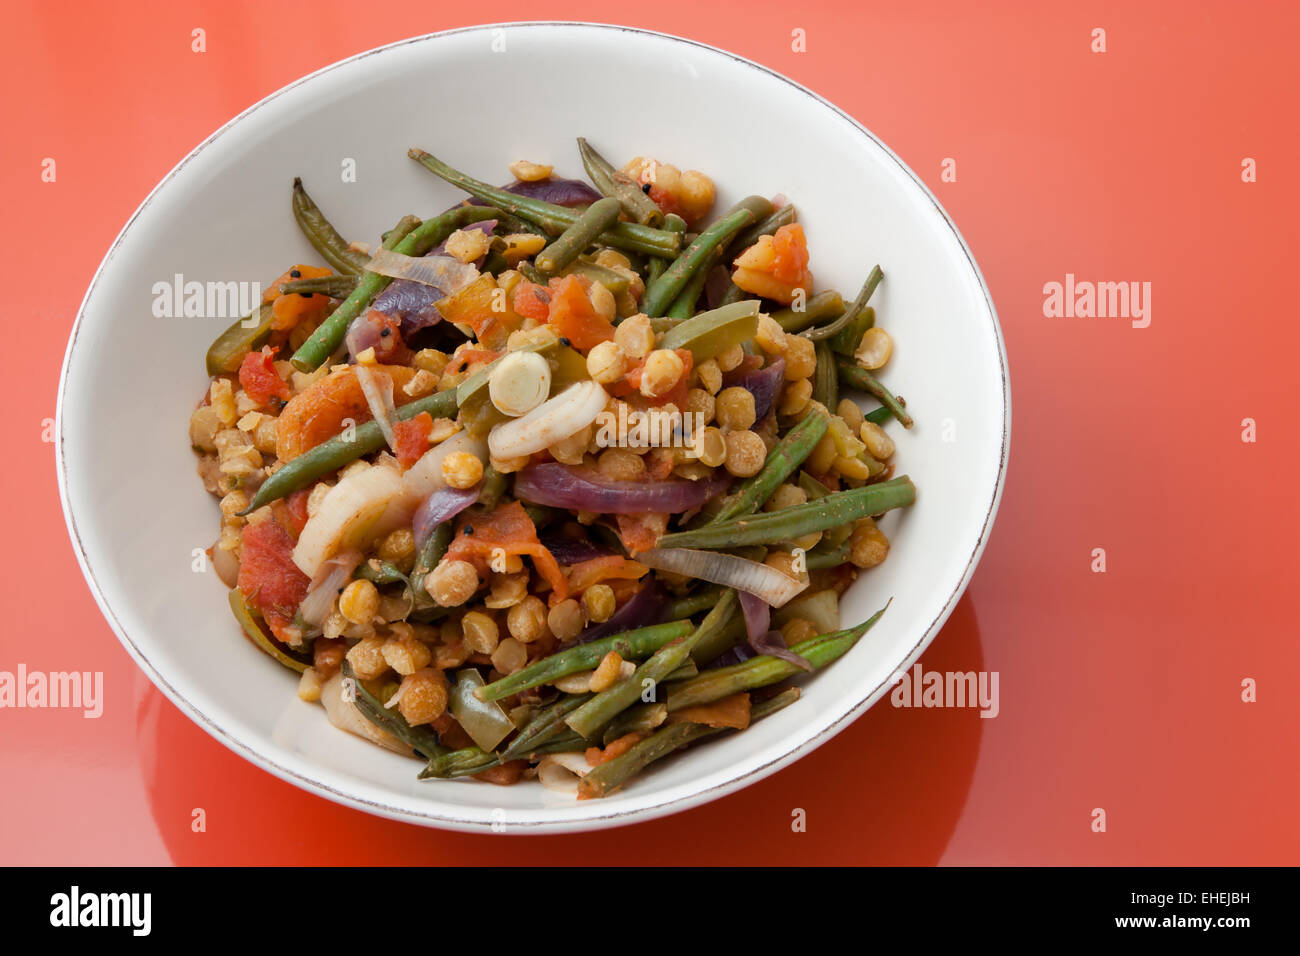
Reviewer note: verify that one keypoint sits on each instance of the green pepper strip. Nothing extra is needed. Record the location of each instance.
(837, 508)
(857, 377)
(612, 774)
(228, 350)
(324, 238)
(244, 615)
(330, 456)
(554, 219)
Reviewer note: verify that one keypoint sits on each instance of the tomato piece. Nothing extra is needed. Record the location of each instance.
(296, 505)
(790, 249)
(268, 578)
(532, 301)
(574, 317)
(317, 413)
(586, 573)
(412, 438)
(475, 306)
(259, 379)
(303, 272)
(509, 529)
(641, 532)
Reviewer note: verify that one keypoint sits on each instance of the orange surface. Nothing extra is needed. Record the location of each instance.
(1119, 690)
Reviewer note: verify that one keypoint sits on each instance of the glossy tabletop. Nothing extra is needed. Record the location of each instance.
(1132, 598)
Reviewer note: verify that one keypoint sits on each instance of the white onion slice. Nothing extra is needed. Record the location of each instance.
(561, 772)
(331, 576)
(345, 716)
(444, 273)
(378, 389)
(766, 582)
(566, 414)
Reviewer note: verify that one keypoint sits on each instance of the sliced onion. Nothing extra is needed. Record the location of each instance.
(561, 772)
(442, 272)
(758, 615)
(442, 505)
(566, 414)
(726, 569)
(764, 383)
(344, 715)
(582, 489)
(332, 575)
(773, 644)
(378, 389)
(567, 549)
(553, 189)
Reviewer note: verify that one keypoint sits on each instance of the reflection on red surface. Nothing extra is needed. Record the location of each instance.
(889, 789)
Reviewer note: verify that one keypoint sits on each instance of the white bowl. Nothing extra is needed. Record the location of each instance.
(480, 98)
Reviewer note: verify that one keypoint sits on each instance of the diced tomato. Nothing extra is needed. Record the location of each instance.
(292, 274)
(509, 529)
(615, 748)
(790, 247)
(573, 317)
(318, 412)
(450, 733)
(297, 509)
(586, 573)
(532, 301)
(258, 377)
(665, 200)
(412, 438)
(288, 311)
(268, 578)
(476, 306)
(730, 712)
(641, 532)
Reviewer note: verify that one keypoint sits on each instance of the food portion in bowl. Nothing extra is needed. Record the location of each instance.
(556, 482)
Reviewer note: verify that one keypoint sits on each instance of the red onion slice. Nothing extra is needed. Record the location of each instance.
(564, 486)
(765, 383)
(443, 505)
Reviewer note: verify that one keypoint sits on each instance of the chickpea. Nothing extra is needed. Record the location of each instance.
(711, 446)
(526, 621)
(510, 656)
(745, 453)
(598, 602)
(786, 496)
(367, 657)
(424, 696)
(606, 362)
(800, 358)
(452, 582)
(530, 172)
(663, 369)
(565, 620)
(795, 397)
(797, 630)
(695, 194)
(635, 337)
(462, 470)
(770, 337)
(404, 653)
(879, 444)
(620, 464)
(702, 403)
(710, 375)
(731, 358)
(868, 545)
(570, 451)
(507, 590)
(735, 408)
(602, 301)
(398, 548)
(359, 601)
(848, 410)
(479, 632)
(875, 349)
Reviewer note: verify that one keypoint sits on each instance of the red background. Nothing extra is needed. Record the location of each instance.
(1119, 690)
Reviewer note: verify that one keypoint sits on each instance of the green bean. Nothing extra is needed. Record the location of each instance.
(657, 265)
(618, 185)
(786, 456)
(854, 376)
(546, 726)
(640, 720)
(494, 263)
(336, 287)
(415, 242)
(832, 558)
(720, 640)
(324, 238)
(683, 307)
(423, 740)
(530, 272)
(660, 294)
(595, 219)
(494, 486)
(246, 334)
(693, 604)
(764, 670)
(630, 645)
(711, 333)
(431, 553)
(734, 293)
(380, 572)
(851, 313)
(554, 219)
(330, 456)
(593, 715)
(826, 380)
(765, 227)
(460, 763)
(823, 305)
(612, 774)
(773, 527)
